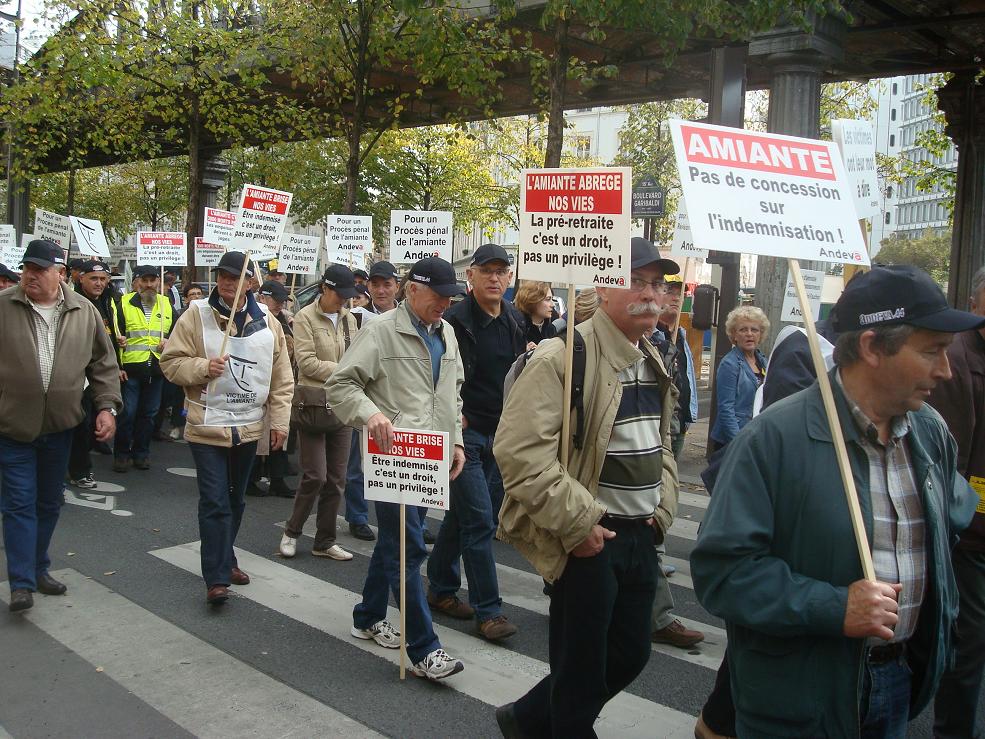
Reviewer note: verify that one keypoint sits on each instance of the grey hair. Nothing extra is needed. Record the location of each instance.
(888, 340)
(977, 286)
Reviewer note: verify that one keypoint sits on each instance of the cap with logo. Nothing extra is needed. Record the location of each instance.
(384, 270)
(360, 273)
(232, 262)
(93, 265)
(437, 274)
(490, 253)
(273, 289)
(643, 252)
(340, 279)
(43, 253)
(674, 280)
(7, 272)
(361, 290)
(146, 270)
(899, 294)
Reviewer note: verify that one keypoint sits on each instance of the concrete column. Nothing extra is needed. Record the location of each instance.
(19, 206)
(214, 174)
(963, 104)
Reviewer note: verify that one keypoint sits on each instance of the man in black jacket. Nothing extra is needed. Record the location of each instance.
(491, 334)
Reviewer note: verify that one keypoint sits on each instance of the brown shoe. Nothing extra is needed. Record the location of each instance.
(217, 595)
(677, 635)
(496, 628)
(450, 605)
(703, 731)
(238, 577)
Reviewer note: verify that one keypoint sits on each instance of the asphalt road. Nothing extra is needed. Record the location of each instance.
(133, 650)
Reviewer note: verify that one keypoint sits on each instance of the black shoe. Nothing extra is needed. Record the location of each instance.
(279, 488)
(506, 718)
(48, 585)
(141, 464)
(254, 491)
(429, 538)
(20, 600)
(121, 464)
(362, 531)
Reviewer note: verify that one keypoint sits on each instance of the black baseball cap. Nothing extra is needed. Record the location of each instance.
(643, 252)
(43, 253)
(899, 294)
(7, 272)
(93, 265)
(360, 273)
(490, 253)
(361, 290)
(341, 279)
(273, 289)
(437, 274)
(383, 269)
(232, 262)
(146, 270)
(76, 263)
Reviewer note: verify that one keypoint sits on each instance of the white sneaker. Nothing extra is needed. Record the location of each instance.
(437, 666)
(288, 546)
(177, 433)
(381, 632)
(86, 482)
(333, 552)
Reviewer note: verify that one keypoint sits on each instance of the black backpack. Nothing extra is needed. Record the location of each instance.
(577, 383)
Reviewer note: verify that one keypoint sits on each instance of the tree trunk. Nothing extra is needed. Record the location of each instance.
(352, 169)
(558, 85)
(193, 218)
(70, 200)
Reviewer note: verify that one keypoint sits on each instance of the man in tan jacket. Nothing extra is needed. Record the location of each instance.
(590, 527)
(227, 396)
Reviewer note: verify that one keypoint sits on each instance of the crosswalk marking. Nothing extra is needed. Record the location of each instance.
(493, 674)
(526, 590)
(198, 687)
(695, 500)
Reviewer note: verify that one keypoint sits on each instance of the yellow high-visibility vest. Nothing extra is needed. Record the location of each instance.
(142, 335)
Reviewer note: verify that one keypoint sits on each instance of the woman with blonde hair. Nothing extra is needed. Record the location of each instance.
(536, 302)
(740, 372)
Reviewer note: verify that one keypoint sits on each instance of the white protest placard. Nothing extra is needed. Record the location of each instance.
(206, 254)
(767, 194)
(348, 239)
(10, 251)
(162, 248)
(89, 237)
(575, 225)
(25, 240)
(53, 227)
(415, 472)
(682, 247)
(299, 254)
(416, 234)
(857, 142)
(814, 283)
(219, 226)
(261, 221)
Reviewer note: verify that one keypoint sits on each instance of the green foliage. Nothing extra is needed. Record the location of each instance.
(930, 252)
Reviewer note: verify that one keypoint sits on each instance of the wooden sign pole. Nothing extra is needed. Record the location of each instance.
(831, 410)
(234, 306)
(569, 355)
(677, 321)
(162, 306)
(403, 591)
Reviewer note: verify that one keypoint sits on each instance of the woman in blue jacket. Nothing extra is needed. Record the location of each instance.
(740, 372)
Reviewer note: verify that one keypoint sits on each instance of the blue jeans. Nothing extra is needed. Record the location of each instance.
(384, 577)
(141, 399)
(885, 707)
(32, 484)
(223, 473)
(356, 510)
(467, 531)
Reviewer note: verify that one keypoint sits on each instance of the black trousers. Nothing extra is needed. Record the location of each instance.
(599, 637)
(79, 463)
(719, 710)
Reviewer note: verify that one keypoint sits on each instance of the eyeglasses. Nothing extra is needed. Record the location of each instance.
(499, 272)
(638, 285)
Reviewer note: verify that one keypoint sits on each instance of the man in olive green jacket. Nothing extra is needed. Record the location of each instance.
(590, 527)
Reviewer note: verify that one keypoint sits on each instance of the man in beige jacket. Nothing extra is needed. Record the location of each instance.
(590, 527)
(227, 396)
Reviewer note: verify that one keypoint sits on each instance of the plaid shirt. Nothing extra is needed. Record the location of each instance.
(899, 550)
(45, 336)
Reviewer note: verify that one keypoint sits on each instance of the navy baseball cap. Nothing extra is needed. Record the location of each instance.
(899, 294)
(360, 273)
(232, 262)
(437, 274)
(340, 279)
(93, 265)
(643, 252)
(273, 289)
(43, 253)
(490, 253)
(146, 270)
(383, 269)
(7, 272)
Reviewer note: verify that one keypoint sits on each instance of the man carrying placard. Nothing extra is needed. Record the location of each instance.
(404, 370)
(590, 527)
(814, 648)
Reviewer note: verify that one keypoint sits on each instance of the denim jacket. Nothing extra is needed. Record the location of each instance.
(735, 386)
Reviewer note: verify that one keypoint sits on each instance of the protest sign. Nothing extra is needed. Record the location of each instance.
(349, 239)
(683, 243)
(162, 248)
(219, 226)
(767, 194)
(857, 143)
(416, 234)
(89, 237)
(206, 254)
(10, 251)
(53, 227)
(415, 472)
(575, 225)
(299, 254)
(261, 221)
(25, 240)
(813, 282)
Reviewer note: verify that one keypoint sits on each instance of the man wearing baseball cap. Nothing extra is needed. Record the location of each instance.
(232, 388)
(54, 340)
(776, 556)
(404, 370)
(8, 278)
(382, 287)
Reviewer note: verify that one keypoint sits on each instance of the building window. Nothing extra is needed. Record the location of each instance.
(888, 214)
(895, 90)
(892, 139)
(892, 114)
(583, 147)
(889, 191)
